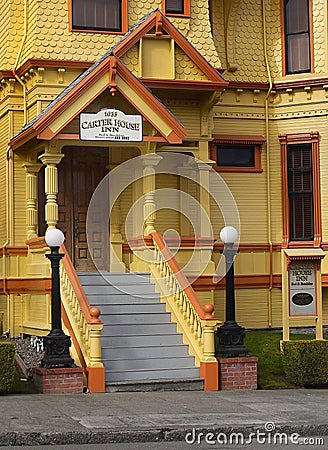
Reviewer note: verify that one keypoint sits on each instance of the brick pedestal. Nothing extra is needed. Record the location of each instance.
(238, 373)
(59, 380)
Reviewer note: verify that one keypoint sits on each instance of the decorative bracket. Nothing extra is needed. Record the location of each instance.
(112, 75)
(159, 24)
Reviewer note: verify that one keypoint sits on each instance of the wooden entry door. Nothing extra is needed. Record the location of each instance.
(79, 173)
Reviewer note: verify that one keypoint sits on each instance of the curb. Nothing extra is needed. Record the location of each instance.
(167, 434)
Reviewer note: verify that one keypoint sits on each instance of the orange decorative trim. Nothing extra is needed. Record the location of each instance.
(96, 379)
(324, 279)
(248, 85)
(196, 85)
(159, 24)
(281, 85)
(192, 241)
(91, 314)
(36, 242)
(309, 82)
(37, 62)
(140, 241)
(244, 139)
(66, 136)
(301, 138)
(203, 313)
(112, 75)
(210, 372)
(251, 281)
(250, 247)
(13, 250)
(26, 285)
(6, 73)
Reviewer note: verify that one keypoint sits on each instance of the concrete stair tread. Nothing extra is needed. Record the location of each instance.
(114, 279)
(139, 329)
(124, 299)
(142, 308)
(119, 353)
(125, 289)
(151, 374)
(136, 319)
(144, 341)
(140, 344)
(160, 384)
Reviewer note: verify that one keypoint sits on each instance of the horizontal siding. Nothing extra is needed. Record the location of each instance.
(249, 193)
(188, 115)
(3, 314)
(276, 308)
(3, 162)
(168, 217)
(251, 307)
(20, 228)
(249, 190)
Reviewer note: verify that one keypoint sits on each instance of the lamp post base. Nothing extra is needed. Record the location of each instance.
(231, 340)
(56, 347)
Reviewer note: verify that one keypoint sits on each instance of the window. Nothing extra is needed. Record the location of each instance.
(99, 15)
(297, 36)
(237, 153)
(177, 7)
(301, 191)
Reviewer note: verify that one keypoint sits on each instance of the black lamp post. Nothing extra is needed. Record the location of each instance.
(230, 336)
(56, 343)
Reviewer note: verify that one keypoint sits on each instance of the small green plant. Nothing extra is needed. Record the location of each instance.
(7, 366)
(305, 362)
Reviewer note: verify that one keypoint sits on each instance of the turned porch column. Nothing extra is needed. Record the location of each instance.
(32, 199)
(51, 187)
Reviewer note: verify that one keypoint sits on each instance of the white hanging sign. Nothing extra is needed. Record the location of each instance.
(110, 125)
(302, 295)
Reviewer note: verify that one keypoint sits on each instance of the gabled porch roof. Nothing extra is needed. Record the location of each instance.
(110, 72)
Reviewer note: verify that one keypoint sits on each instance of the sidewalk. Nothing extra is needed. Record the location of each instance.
(40, 419)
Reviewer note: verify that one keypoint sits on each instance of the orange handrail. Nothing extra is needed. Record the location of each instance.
(90, 313)
(204, 311)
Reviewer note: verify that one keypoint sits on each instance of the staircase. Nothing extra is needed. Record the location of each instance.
(141, 348)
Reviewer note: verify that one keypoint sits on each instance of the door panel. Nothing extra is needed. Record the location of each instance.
(80, 171)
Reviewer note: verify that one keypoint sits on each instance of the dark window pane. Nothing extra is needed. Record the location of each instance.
(298, 53)
(236, 156)
(300, 190)
(97, 14)
(297, 16)
(297, 36)
(174, 6)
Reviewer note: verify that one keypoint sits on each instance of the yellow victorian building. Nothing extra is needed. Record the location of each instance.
(140, 130)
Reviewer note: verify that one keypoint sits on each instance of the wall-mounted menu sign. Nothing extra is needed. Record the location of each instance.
(110, 125)
(302, 293)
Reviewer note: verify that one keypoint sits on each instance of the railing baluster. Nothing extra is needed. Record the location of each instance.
(188, 306)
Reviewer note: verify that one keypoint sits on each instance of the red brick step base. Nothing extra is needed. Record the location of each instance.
(238, 373)
(58, 381)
